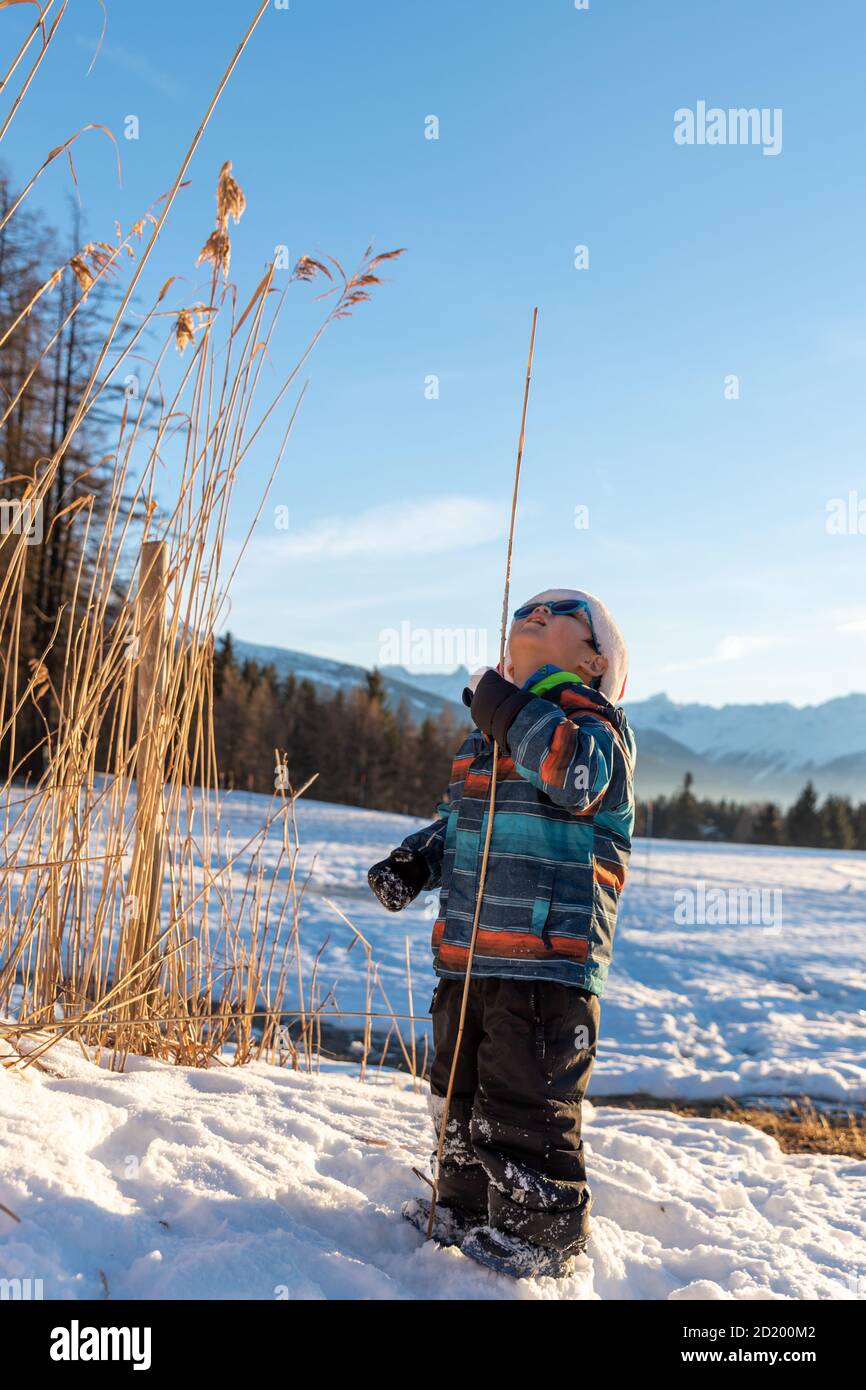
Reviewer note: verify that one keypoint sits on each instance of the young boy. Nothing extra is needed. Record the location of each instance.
(512, 1184)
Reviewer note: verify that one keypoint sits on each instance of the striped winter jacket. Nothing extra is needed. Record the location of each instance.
(560, 846)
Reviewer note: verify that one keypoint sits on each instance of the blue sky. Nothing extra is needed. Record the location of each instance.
(707, 529)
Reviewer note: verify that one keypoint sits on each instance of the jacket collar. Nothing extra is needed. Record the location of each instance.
(547, 680)
(568, 689)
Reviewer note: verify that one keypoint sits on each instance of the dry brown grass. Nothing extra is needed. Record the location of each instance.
(800, 1126)
(124, 922)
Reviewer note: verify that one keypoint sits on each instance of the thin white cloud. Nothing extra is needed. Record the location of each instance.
(734, 647)
(118, 56)
(423, 527)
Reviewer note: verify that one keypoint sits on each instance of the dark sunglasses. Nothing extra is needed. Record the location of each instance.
(561, 607)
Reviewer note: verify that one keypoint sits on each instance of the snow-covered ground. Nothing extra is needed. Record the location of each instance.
(710, 994)
(263, 1183)
(770, 1003)
(260, 1182)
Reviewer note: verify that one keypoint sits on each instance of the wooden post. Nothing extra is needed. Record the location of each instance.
(146, 874)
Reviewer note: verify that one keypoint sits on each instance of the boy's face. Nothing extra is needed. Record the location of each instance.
(557, 639)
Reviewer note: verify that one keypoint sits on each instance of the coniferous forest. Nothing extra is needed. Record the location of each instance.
(362, 752)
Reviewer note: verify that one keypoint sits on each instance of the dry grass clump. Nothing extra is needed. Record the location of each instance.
(126, 921)
(798, 1125)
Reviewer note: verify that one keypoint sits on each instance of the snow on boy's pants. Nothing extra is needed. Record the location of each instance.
(513, 1151)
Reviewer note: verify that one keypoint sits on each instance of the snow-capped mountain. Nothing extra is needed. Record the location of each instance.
(783, 734)
(748, 752)
(448, 686)
(765, 752)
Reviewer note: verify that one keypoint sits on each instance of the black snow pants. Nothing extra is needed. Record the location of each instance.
(513, 1151)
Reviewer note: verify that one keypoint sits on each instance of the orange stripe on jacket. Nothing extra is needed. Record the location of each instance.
(520, 945)
(573, 703)
(554, 764)
(477, 784)
(460, 767)
(611, 874)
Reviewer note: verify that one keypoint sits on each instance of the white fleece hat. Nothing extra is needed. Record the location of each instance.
(609, 639)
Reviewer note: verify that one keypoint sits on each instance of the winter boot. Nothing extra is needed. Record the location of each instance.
(450, 1224)
(516, 1257)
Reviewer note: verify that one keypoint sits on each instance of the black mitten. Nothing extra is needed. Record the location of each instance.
(399, 878)
(496, 704)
